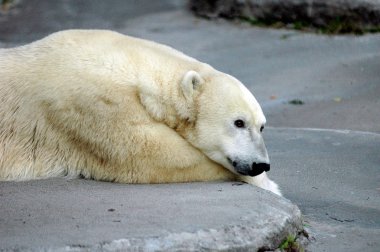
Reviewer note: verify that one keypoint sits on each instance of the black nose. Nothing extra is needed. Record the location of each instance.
(261, 166)
(258, 168)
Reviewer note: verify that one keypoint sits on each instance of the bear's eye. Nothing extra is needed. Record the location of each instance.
(262, 128)
(239, 123)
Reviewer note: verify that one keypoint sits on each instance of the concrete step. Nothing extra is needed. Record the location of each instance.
(83, 215)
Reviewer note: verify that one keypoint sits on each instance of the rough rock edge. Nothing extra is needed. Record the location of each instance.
(320, 13)
(227, 238)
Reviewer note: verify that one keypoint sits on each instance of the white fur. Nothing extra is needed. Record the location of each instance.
(262, 181)
(117, 108)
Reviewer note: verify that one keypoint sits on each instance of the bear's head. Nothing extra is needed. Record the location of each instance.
(225, 121)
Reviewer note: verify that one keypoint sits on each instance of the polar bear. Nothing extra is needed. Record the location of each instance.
(98, 104)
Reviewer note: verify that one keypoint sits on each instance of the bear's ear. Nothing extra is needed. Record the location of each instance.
(190, 82)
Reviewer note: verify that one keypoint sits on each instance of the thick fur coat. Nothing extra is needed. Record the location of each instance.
(105, 106)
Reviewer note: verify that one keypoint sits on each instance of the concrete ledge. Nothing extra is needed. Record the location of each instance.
(320, 13)
(82, 215)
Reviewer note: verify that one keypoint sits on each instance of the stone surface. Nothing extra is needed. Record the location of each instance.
(26, 20)
(333, 176)
(317, 12)
(81, 215)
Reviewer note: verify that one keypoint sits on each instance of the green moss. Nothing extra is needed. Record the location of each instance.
(256, 22)
(300, 25)
(290, 245)
(4, 2)
(342, 26)
(339, 25)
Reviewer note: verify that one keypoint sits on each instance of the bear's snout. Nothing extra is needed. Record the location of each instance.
(250, 170)
(255, 169)
(258, 168)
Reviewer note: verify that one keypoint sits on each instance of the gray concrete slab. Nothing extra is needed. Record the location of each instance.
(28, 20)
(86, 215)
(333, 176)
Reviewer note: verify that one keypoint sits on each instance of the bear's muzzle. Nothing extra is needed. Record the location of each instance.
(258, 168)
(250, 170)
